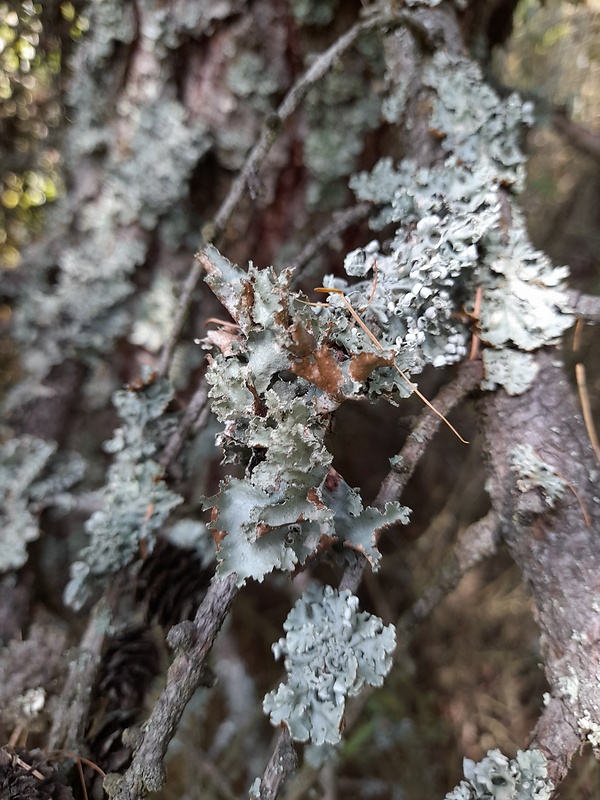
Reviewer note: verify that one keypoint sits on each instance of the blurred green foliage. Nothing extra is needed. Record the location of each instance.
(555, 54)
(30, 68)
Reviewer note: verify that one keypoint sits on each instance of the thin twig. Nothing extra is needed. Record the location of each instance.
(192, 642)
(468, 378)
(212, 231)
(180, 316)
(586, 306)
(73, 706)
(195, 407)
(340, 222)
(478, 542)
(281, 765)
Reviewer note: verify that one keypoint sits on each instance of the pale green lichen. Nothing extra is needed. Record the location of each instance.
(76, 297)
(30, 471)
(274, 398)
(498, 778)
(533, 473)
(136, 501)
(314, 12)
(590, 729)
(154, 319)
(249, 78)
(331, 650)
(448, 244)
(331, 151)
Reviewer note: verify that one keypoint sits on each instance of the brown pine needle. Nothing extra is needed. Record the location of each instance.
(588, 418)
(577, 334)
(376, 273)
(376, 342)
(475, 340)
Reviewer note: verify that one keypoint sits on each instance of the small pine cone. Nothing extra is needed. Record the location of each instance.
(105, 743)
(131, 662)
(172, 583)
(128, 667)
(27, 776)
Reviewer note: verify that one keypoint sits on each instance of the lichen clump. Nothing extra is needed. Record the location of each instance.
(331, 651)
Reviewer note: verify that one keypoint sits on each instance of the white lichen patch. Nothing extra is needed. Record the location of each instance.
(498, 778)
(533, 473)
(331, 650)
(590, 729)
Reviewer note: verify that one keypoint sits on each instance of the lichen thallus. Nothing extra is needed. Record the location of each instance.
(356, 317)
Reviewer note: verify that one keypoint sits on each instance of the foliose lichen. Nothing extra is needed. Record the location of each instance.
(331, 650)
(331, 151)
(534, 473)
(274, 384)
(75, 299)
(314, 12)
(136, 499)
(498, 778)
(450, 246)
(30, 471)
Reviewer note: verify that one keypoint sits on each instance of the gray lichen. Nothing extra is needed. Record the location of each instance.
(77, 297)
(534, 473)
(331, 151)
(448, 244)
(496, 778)
(136, 499)
(30, 471)
(331, 650)
(314, 12)
(273, 386)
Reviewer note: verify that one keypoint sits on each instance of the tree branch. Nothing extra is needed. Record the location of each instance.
(282, 764)
(578, 136)
(73, 707)
(195, 407)
(340, 222)
(586, 306)
(554, 544)
(192, 642)
(469, 377)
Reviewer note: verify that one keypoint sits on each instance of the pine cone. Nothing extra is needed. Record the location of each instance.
(128, 668)
(172, 583)
(27, 776)
(130, 664)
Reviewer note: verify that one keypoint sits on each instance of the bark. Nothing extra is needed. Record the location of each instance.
(556, 549)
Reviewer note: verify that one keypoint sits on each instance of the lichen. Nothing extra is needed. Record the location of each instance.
(449, 246)
(534, 473)
(331, 650)
(136, 501)
(30, 471)
(331, 151)
(273, 386)
(314, 12)
(75, 300)
(498, 778)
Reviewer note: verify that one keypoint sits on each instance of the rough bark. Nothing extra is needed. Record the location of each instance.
(556, 549)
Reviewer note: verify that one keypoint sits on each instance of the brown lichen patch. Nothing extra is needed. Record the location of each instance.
(363, 364)
(227, 342)
(322, 369)
(304, 342)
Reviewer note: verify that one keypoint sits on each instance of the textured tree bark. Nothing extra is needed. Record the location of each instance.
(556, 549)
